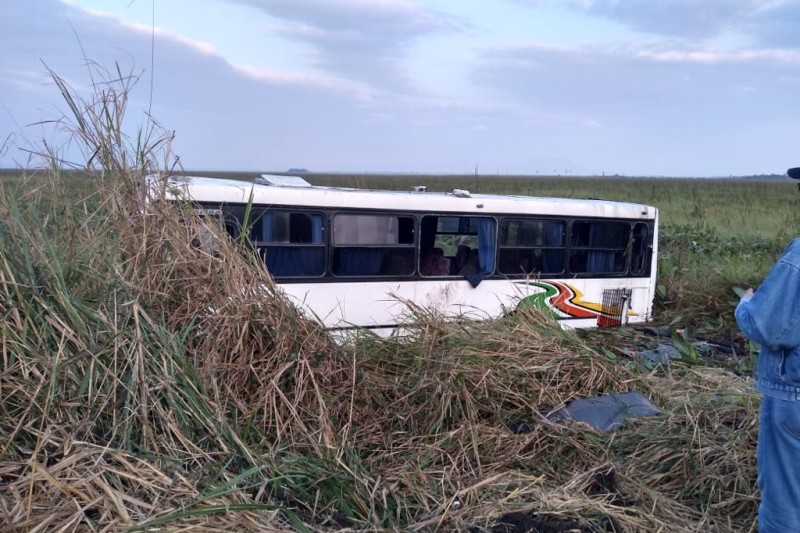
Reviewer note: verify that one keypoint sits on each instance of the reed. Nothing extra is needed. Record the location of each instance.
(154, 378)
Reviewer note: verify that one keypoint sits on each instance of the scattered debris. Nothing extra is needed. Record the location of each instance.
(679, 344)
(606, 413)
(663, 353)
(540, 523)
(657, 331)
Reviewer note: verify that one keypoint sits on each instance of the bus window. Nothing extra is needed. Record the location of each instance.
(292, 244)
(598, 247)
(373, 245)
(202, 226)
(641, 249)
(532, 247)
(457, 246)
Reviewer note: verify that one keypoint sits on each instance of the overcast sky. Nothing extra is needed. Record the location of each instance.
(633, 87)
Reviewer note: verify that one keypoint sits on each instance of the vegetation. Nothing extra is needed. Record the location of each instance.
(149, 385)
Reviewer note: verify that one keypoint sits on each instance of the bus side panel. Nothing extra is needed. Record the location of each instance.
(577, 302)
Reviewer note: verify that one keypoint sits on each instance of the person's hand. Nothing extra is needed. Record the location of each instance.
(747, 294)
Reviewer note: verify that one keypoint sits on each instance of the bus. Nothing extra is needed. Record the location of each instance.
(358, 258)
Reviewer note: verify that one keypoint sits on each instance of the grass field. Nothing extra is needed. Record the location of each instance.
(142, 390)
(749, 209)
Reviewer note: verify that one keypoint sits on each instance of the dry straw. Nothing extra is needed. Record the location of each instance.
(154, 378)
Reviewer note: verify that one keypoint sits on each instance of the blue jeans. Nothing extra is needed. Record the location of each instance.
(779, 466)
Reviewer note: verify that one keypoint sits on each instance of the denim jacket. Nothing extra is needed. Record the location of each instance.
(772, 319)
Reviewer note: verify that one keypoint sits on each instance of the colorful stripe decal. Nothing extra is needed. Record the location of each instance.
(565, 299)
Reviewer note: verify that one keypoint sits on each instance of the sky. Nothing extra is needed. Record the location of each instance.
(495, 87)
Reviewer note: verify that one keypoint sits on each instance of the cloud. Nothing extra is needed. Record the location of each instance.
(216, 108)
(664, 107)
(362, 40)
(201, 46)
(682, 18)
(629, 83)
(356, 90)
(379, 21)
(684, 110)
(775, 25)
(786, 57)
(754, 22)
(225, 116)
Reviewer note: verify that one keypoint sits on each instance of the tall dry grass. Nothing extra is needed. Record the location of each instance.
(154, 378)
(121, 335)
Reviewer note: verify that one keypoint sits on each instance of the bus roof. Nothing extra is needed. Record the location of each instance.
(299, 193)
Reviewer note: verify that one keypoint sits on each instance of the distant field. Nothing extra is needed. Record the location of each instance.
(742, 208)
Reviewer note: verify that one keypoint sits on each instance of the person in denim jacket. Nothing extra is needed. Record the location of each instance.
(770, 316)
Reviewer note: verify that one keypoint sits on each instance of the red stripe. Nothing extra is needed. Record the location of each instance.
(563, 302)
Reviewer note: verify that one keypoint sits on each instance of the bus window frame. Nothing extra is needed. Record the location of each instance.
(645, 249)
(565, 221)
(626, 249)
(262, 247)
(436, 233)
(413, 246)
(232, 220)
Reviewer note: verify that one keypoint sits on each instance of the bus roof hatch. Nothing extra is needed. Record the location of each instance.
(276, 180)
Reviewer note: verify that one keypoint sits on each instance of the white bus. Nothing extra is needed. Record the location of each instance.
(356, 258)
